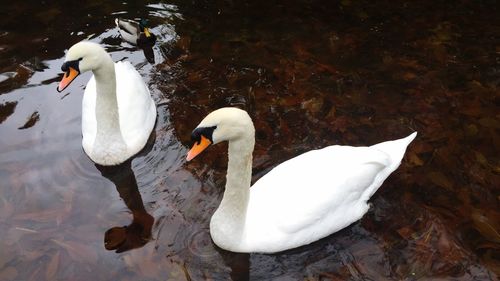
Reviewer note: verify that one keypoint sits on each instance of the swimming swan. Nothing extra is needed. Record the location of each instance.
(298, 202)
(118, 113)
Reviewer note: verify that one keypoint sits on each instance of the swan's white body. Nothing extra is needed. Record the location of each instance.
(301, 200)
(118, 113)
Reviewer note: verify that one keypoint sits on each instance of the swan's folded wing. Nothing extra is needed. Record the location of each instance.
(136, 107)
(315, 186)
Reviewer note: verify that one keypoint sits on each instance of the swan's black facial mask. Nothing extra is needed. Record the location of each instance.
(207, 132)
(71, 71)
(75, 64)
(202, 138)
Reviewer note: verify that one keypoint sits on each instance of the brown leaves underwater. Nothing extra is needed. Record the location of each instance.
(310, 74)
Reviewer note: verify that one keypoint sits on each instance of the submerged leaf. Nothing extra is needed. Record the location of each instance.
(414, 159)
(481, 159)
(10, 273)
(471, 130)
(35, 117)
(52, 267)
(488, 228)
(6, 110)
(489, 122)
(313, 105)
(440, 179)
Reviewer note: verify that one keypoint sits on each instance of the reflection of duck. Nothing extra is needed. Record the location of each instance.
(118, 113)
(298, 202)
(134, 32)
(137, 233)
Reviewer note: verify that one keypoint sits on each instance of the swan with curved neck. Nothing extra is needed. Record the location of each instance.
(298, 202)
(118, 113)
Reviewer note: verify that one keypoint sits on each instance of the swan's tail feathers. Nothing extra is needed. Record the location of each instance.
(396, 149)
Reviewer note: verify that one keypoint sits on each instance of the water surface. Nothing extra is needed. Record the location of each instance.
(311, 74)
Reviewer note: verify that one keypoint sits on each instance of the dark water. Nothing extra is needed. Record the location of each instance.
(310, 73)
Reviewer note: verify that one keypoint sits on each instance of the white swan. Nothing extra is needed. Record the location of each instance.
(118, 113)
(298, 202)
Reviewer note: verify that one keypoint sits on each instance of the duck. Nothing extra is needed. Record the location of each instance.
(118, 112)
(135, 33)
(299, 201)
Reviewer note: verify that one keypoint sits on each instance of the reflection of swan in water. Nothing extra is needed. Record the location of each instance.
(137, 233)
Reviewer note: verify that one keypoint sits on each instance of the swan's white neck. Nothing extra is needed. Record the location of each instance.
(227, 224)
(106, 111)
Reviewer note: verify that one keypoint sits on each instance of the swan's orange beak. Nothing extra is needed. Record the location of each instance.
(68, 77)
(198, 147)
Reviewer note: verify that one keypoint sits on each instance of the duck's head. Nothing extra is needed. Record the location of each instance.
(81, 57)
(224, 124)
(143, 25)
